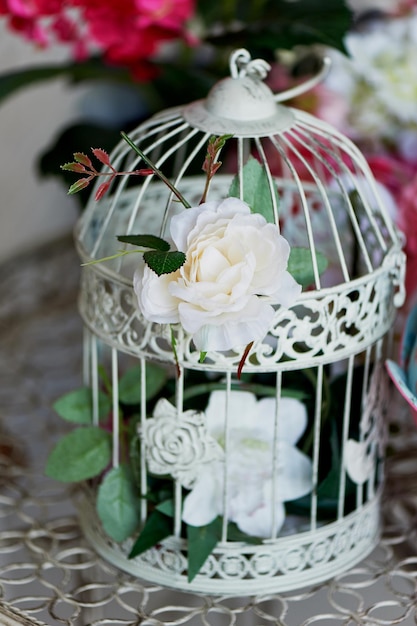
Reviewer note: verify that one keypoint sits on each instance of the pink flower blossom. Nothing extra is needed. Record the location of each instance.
(407, 217)
(125, 32)
(391, 171)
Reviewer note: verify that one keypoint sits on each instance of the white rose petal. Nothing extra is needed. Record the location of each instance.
(203, 504)
(259, 523)
(154, 298)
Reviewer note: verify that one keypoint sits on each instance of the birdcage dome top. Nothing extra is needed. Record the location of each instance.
(241, 104)
(311, 181)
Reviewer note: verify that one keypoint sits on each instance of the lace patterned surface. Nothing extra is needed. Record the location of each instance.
(48, 571)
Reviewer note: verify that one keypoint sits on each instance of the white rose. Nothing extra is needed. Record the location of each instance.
(178, 444)
(235, 269)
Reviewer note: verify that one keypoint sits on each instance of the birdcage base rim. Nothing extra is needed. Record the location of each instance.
(291, 562)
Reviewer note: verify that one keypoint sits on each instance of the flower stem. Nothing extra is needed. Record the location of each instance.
(158, 172)
(111, 257)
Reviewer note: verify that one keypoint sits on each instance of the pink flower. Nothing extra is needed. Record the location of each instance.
(391, 171)
(407, 217)
(125, 32)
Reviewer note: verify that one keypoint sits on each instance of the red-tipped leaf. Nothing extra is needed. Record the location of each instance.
(77, 186)
(103, 188)
(80, 157)
(74, 167)
(101, 155)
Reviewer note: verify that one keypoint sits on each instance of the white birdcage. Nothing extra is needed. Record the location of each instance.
(322, 197)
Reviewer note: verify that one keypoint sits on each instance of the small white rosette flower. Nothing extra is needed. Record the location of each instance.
(256, 488)
(235, 270)
(178, 444)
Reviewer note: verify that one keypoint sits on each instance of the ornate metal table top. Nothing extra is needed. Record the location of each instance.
(48, 572)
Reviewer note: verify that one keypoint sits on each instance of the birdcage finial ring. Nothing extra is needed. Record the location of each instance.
(241, 64)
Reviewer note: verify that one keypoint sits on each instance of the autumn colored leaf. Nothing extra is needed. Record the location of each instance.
(83, 158)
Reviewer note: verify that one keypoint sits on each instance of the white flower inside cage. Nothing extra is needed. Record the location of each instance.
(260, 478)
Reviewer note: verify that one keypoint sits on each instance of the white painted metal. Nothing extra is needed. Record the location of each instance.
(329, 203)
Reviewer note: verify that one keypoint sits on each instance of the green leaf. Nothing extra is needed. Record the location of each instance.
(167, 507)
(130, 388)
(201, 542)
(202, 357)
(164, 262)
(118, 503)
(135, 457)
(157, 527)
(77, 406)
(256, 190)
(145, 241)
(235, 534)
(83, 453)
(328, 490)
(220, 141)
(300, 265)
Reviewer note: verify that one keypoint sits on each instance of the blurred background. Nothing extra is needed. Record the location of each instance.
(33, 210)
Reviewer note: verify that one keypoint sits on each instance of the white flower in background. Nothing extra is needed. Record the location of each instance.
(255, 501)
(178, 444)
(379, 80)
(385, 57)
(236, 269)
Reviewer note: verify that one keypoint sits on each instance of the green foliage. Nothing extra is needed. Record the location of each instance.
(157, 527)
(82, 454)
(160, 258)
(77, 406)
(256, 190)
(145, 241)
(164, 262)
(201, 542)
(300, 265)
(86, 453)
(268, 25)
(167, 507)
(130, 388)
(118, 503)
